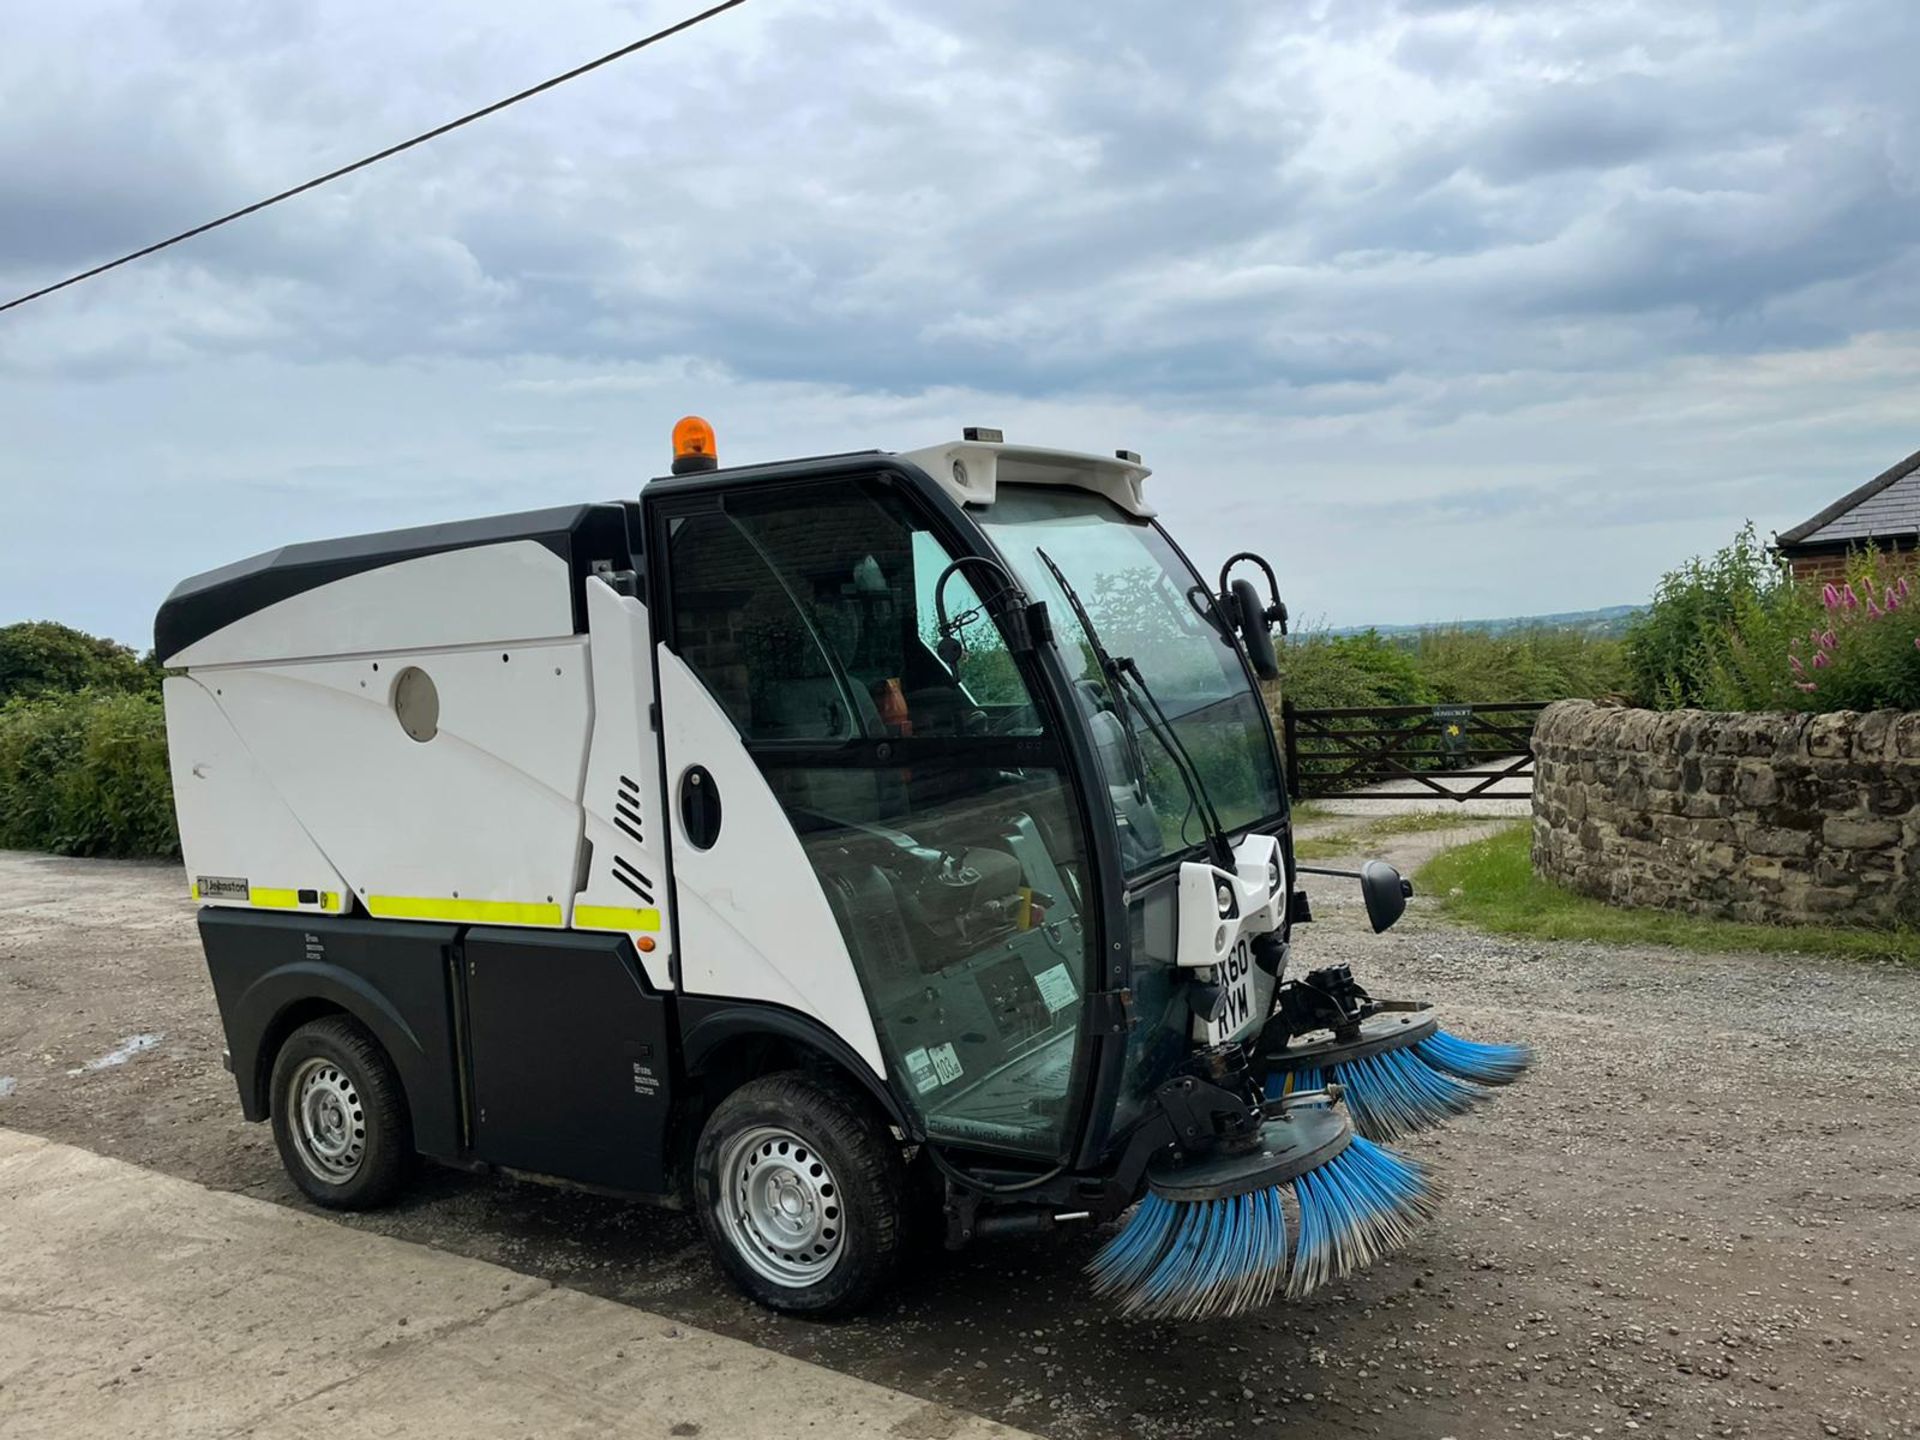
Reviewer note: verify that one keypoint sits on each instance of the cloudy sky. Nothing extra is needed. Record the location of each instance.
(1456, 310)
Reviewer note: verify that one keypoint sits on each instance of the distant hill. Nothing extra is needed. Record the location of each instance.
(1613, 620)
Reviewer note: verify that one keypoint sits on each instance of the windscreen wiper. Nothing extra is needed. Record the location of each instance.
(1130, 688)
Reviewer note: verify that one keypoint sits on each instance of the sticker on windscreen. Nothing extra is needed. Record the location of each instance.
(920, 1070)
(946, 1063)
(1056, 988)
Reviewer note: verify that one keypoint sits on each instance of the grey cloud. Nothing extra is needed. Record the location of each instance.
(1575, 128)
(1357, 233)
(1075, 176)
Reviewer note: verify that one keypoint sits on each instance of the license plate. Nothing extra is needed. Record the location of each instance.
(1234, 975)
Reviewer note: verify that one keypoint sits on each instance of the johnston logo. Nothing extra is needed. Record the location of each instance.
(222, 887)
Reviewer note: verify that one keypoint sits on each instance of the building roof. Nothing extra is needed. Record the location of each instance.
(1885, 508)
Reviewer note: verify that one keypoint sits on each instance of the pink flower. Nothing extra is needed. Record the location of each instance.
(1905, 588)
(1827, 639)
(1874, 612)
(1893, 598)
(1822, 660)
(1916, 642)
(1848, 598)
(1830, 597)
(1810, 687)
(1793, 664)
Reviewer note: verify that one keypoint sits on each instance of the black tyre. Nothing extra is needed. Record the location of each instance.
(339, 1116)
(801, 1192)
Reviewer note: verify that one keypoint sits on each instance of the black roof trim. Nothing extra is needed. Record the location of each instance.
(202, 604)
(1847, 502)
(852, 462)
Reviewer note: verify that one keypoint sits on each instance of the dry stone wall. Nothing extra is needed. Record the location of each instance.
(1791, 818)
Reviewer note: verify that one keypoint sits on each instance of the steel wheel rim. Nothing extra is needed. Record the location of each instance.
(781, 1206)
(327, 1120)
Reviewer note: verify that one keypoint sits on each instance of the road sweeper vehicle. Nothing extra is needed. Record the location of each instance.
(862, 851)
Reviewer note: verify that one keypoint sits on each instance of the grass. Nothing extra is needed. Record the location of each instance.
(1490, 885)
(1366, 835)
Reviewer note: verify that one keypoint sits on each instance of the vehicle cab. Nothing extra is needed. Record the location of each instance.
(1018, 742)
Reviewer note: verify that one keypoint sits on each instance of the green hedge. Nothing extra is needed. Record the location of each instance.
(1735, 631)
(86, 774)
(1448, 665)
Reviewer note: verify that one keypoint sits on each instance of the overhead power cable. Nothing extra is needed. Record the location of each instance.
(390, 151)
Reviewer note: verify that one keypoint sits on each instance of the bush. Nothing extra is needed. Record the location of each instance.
(86, 774)
(1716, 633)
(1736, 632)
(1320, 670)
(1448, 665)
(41, 657)
(1863, 653)
(1544, 663)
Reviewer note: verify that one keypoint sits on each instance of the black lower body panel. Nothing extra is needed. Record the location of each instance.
(570, 1057)
(558, 1045)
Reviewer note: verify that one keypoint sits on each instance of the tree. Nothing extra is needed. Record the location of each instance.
(43, 657)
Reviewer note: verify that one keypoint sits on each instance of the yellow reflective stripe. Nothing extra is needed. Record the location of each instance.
(432, 907)
(269, 898)
(614, 917)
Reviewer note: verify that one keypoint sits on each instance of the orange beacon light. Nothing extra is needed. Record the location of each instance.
(693, 446)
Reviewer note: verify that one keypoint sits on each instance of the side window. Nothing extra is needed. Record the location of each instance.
(865, 574)
(748, 639)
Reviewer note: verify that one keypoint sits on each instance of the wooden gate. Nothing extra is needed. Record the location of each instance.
(1456, 752)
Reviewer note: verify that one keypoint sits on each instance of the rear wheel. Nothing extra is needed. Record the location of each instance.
(339, 1118)
(800, 1190)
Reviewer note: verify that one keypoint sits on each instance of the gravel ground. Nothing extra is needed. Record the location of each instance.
(1699, 1216)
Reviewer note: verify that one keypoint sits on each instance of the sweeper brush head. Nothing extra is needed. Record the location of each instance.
(1211, 1236)
(1401, 1075)
(1472, 1060)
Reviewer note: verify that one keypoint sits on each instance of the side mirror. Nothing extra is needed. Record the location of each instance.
(1385, 892)
(1249, 617)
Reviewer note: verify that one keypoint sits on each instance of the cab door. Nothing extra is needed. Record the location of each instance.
(863, 832)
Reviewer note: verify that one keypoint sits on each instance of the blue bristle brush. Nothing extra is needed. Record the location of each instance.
(1210, 1237)
(1400, 1075)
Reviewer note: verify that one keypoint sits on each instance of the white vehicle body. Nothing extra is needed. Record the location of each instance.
(521, 796)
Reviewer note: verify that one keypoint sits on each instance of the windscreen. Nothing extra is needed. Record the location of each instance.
(1146, 603)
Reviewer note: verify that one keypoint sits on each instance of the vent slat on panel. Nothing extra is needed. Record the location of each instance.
(629, 876)
(626, 810)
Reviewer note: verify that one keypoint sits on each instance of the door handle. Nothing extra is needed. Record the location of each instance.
(699, 807)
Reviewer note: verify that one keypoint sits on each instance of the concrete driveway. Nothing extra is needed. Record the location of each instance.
(135, 1304)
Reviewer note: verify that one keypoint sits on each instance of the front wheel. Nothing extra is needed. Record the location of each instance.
(800, 1189)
